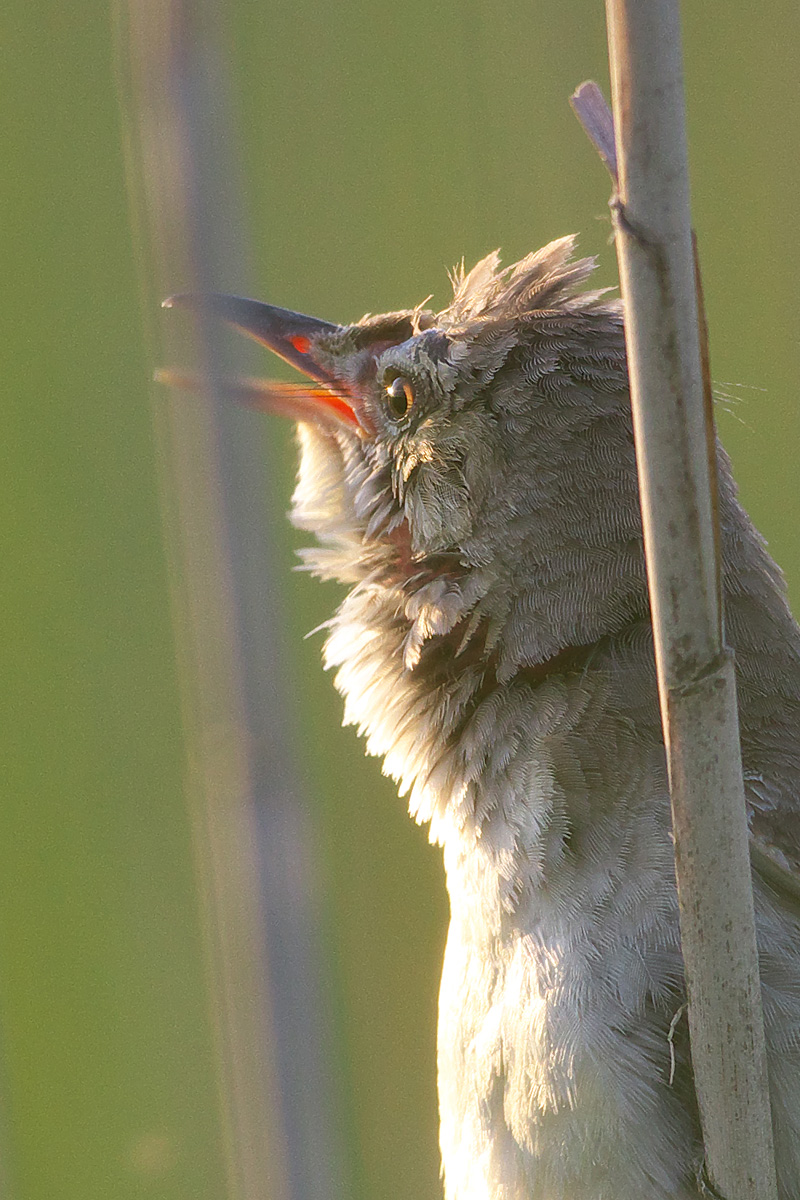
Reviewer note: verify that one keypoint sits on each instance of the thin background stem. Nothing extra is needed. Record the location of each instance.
(253, 844)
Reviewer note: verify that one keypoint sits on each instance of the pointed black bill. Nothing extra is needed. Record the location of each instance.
(299, 402)
(288, 334)
(295, 338)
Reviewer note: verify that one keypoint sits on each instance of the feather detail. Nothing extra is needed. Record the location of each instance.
(543, 281)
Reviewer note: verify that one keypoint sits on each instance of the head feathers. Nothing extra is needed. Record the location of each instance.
(545, 280)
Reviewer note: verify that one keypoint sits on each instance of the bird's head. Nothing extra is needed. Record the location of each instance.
(476, 463)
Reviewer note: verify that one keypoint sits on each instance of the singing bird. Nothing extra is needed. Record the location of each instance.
(470, 475)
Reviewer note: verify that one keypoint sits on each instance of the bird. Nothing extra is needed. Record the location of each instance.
(470, 476)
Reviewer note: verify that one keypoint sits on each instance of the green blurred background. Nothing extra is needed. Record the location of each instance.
(380, 143)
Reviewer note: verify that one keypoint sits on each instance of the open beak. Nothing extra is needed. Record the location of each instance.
(294, 337)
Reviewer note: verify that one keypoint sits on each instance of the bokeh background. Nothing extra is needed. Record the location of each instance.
(380, 143)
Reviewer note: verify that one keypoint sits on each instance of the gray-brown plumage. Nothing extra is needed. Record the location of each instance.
(470, 475)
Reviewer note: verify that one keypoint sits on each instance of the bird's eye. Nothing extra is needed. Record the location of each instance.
(400, 395)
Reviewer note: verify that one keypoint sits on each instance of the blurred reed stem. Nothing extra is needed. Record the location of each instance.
(255, 861)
